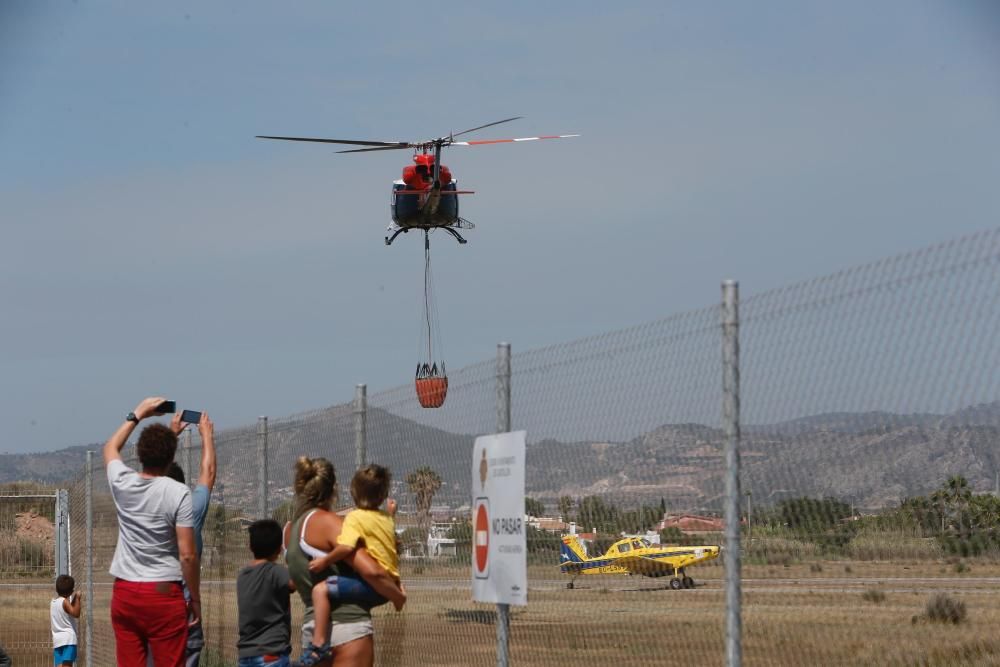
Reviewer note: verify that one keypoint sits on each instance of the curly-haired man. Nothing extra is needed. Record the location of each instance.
(156, 547)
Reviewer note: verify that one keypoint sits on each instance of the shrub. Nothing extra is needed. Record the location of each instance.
(893, 545)
(815, 567)
(961, 567)
(848, 569)
(942, 608)
(775, 550)
(873, 595)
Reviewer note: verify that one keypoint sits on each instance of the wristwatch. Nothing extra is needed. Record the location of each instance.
(130, 417)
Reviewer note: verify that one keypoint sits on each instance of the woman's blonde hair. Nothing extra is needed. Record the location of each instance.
(315, 484)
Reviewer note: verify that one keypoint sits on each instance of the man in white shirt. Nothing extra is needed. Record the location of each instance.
(156, 547)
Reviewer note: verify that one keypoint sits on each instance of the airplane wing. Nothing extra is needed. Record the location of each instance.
(572, 567)
(647, 566)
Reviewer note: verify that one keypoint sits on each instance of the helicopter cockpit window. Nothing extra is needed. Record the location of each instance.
(646, 543)
(638, 544)
(622, 548)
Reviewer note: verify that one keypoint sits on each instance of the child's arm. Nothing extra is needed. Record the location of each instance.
(72, 605)
(339, 553)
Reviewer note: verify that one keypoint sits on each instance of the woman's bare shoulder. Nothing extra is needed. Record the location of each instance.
(324, 522)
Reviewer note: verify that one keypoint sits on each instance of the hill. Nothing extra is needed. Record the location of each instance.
(871, 460)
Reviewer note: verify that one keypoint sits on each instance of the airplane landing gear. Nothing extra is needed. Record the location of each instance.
(676, 584)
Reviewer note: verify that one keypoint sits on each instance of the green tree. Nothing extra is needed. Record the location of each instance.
(423, 483)
(284, 512)
(593, 512)
(533, 507)
(566, 508)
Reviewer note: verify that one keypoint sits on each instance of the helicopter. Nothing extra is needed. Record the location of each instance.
(426, 197)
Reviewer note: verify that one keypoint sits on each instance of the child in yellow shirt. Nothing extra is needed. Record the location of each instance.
(366, 526)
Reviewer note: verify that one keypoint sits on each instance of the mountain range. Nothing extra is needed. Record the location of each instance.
(871, 460)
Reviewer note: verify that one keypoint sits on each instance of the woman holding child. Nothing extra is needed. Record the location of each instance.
(312, 535)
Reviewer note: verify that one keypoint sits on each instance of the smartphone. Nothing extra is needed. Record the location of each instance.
(166, 408)
(190, 417)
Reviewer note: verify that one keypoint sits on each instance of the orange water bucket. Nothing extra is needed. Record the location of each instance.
(431, 391)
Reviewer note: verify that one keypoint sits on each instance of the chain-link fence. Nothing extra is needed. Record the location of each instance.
(28, 530)
(869, 467)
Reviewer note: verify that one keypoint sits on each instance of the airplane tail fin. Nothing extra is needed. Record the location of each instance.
(572, 550)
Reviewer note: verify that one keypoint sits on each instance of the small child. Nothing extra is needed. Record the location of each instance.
(64, 612)
(263, 589)
(366, 526)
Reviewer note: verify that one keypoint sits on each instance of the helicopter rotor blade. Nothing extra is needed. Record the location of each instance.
(506, 120)
(380, 148)
(351, 142)
(510, 141)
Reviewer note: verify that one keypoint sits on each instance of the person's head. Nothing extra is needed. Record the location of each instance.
(65, 585)
(315, 484)
(370, 486)
(175, 472)
(156, 447)
(265, 539)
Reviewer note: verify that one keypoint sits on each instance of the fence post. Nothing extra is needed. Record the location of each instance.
(62, 532)
(731, 425)
(503, 426)
(89, 559)
(360, 424)
(261, 467)
(192, 479)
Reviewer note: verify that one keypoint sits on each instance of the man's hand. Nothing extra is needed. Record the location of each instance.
(205, 426)
(194, 612)
(148, 407)
(176, 425)
(391, 507)
(113, 447)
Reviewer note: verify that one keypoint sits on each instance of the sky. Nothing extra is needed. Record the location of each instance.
(153, 246)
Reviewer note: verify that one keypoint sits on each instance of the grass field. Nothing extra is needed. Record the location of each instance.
(804, 614)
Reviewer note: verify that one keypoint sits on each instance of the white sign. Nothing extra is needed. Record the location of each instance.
(499, 551)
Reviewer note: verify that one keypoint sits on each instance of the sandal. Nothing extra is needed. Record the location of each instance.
(314, 655)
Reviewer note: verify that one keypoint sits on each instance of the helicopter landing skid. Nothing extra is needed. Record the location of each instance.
(396, 231)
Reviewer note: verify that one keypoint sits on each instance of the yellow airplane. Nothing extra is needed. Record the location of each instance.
(634, 555)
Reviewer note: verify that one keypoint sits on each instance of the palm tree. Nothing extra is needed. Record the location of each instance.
(959, 495)
(423, 484)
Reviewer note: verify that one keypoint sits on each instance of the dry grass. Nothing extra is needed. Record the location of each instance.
(793, 617)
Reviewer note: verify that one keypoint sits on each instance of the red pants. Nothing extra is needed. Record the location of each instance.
(153, 614)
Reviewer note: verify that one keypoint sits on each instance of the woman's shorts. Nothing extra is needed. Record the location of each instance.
(340, 633)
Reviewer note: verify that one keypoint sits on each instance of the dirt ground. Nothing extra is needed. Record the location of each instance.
(804, 614)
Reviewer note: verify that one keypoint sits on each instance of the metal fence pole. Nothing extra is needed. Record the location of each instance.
(189, 459)
(89, 559)
(261, 467)
(360, 424)
(62, 532)
(731, 425)
(503, 426)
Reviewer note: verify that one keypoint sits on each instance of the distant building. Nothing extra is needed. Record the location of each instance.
(438, 542)
(691, 524)
(549, 524)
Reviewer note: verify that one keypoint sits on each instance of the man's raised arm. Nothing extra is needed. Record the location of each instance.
(113, 447)
(206, 475)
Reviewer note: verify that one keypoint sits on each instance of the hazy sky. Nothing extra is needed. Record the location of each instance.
(152, 245)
